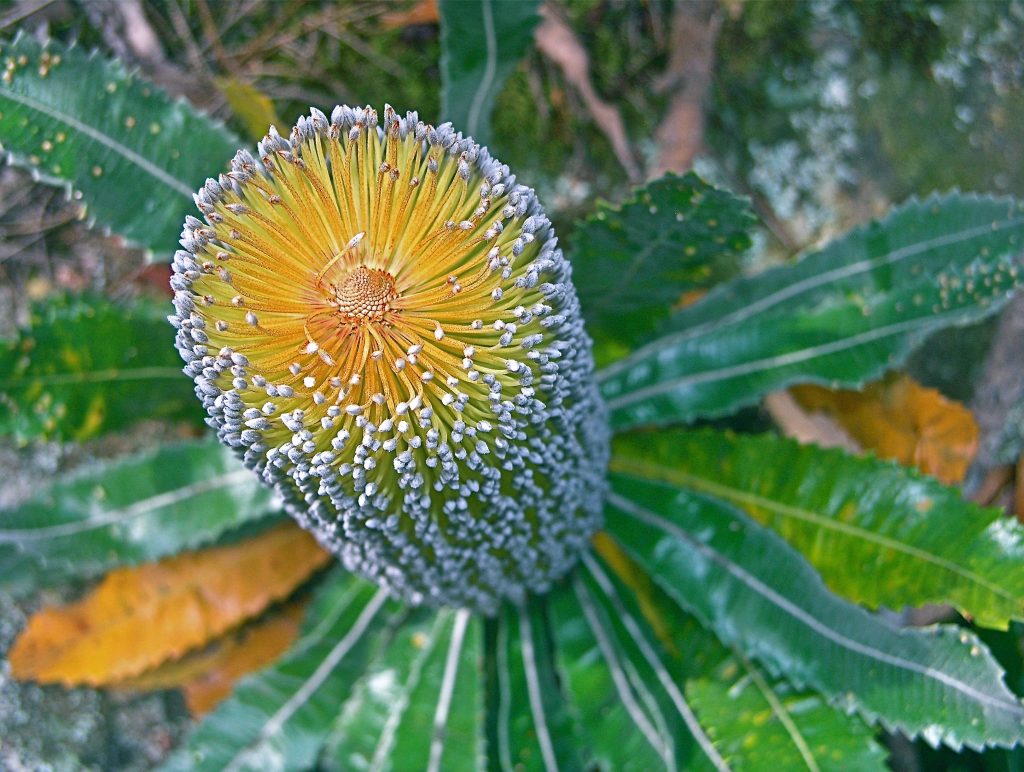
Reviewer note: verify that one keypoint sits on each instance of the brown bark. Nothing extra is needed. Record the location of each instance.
(556, 41)
(680, 136)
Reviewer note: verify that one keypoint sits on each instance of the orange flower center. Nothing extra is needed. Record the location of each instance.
(365, 295)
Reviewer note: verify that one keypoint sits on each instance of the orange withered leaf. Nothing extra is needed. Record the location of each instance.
(207, 676)
(898, 418)
(137, 618)
(423, 12)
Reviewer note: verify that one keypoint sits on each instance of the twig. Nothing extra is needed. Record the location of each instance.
(192, 51)
(145, 48)
(1018, 490)
(680, 136)
(212, 35)
(992, 485)
(139, 34)
(556, 40)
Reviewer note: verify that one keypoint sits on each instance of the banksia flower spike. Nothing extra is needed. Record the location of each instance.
(378, 318)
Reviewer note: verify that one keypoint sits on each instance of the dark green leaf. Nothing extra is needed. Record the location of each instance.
(839, 317)
(481, 43)
(633, 262)
(616, 673)
(419, 703)
(135, 510)
(759, 595)
(759, 725)
(85, 366)
(843, 344)
(135, 156)
(529, 723)
(879, 533)
(690, 656)
(916, 239)
(280, 717)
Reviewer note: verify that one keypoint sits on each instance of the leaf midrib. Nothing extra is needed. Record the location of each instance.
(781, 360)
(802, 746)
(490, 70)
(311, 685)
(91, 376)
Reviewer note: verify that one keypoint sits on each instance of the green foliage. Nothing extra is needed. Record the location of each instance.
(902, 30)
(636, 662)
(85, 366)
(759, 595)
(481, 43)
(281, 717)
(693, 657)
(528, 720)
(764, 726)
(840, 316)
(632, 262)
(137, 509)
(431, 661)
(135, 156)
(616, 728)
(879, 533)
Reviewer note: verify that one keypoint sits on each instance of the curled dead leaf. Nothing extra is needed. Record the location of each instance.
(900, 419)
(207, 676)
(423, 12)
(137, 618)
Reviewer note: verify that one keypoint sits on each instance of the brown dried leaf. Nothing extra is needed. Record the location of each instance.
(898, 418)
(207, 676)
(423, 12)
(137, 618)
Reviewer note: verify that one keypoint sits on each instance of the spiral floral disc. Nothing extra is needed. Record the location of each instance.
(377, 316)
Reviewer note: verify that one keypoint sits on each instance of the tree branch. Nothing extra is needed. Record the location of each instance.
(680, 136)
(556, 41)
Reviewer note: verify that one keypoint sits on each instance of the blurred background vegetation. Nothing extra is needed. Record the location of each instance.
(823, 112)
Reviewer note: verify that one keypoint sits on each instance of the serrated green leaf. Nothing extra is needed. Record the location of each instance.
(633, 262)
(691, 655)
(839, 317)
(280, 717)
(529, 723)
(918, 238)
(758, 595)
(419, 703)
(759, 725)
(134, 510)
(880, 534)
(86, 366)
(842, 344)
(80, 121)
(481, 43)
